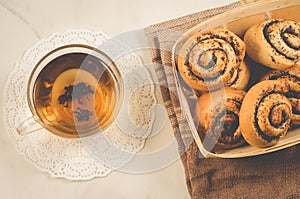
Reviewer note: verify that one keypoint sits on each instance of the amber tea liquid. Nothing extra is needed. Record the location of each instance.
(76, 95)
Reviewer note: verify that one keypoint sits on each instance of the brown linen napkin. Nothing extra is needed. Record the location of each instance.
(275, 175)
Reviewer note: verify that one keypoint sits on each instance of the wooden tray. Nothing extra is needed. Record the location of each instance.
(238, 21)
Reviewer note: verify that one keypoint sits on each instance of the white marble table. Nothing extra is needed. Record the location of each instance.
(25, 22)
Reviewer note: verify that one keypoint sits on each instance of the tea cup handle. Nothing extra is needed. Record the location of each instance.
(28, 126)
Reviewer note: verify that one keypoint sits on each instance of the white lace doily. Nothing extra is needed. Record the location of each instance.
(97, 155)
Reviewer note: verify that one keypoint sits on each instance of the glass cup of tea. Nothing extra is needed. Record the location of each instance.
(74, 91)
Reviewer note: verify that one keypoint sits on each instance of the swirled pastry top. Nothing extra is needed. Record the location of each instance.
(292, 77)
(274, 43)
(265, 113)
(210, 59)
(218, 115)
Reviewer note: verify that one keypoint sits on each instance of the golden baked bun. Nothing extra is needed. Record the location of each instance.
(241, 77)
(210, 59)
(265, 114)
(274, 43)
(292, 77)
(218, 116)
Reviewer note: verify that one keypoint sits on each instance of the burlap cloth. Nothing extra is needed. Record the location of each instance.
(274, 175)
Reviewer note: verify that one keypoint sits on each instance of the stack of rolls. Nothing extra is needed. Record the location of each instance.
(228, 112)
